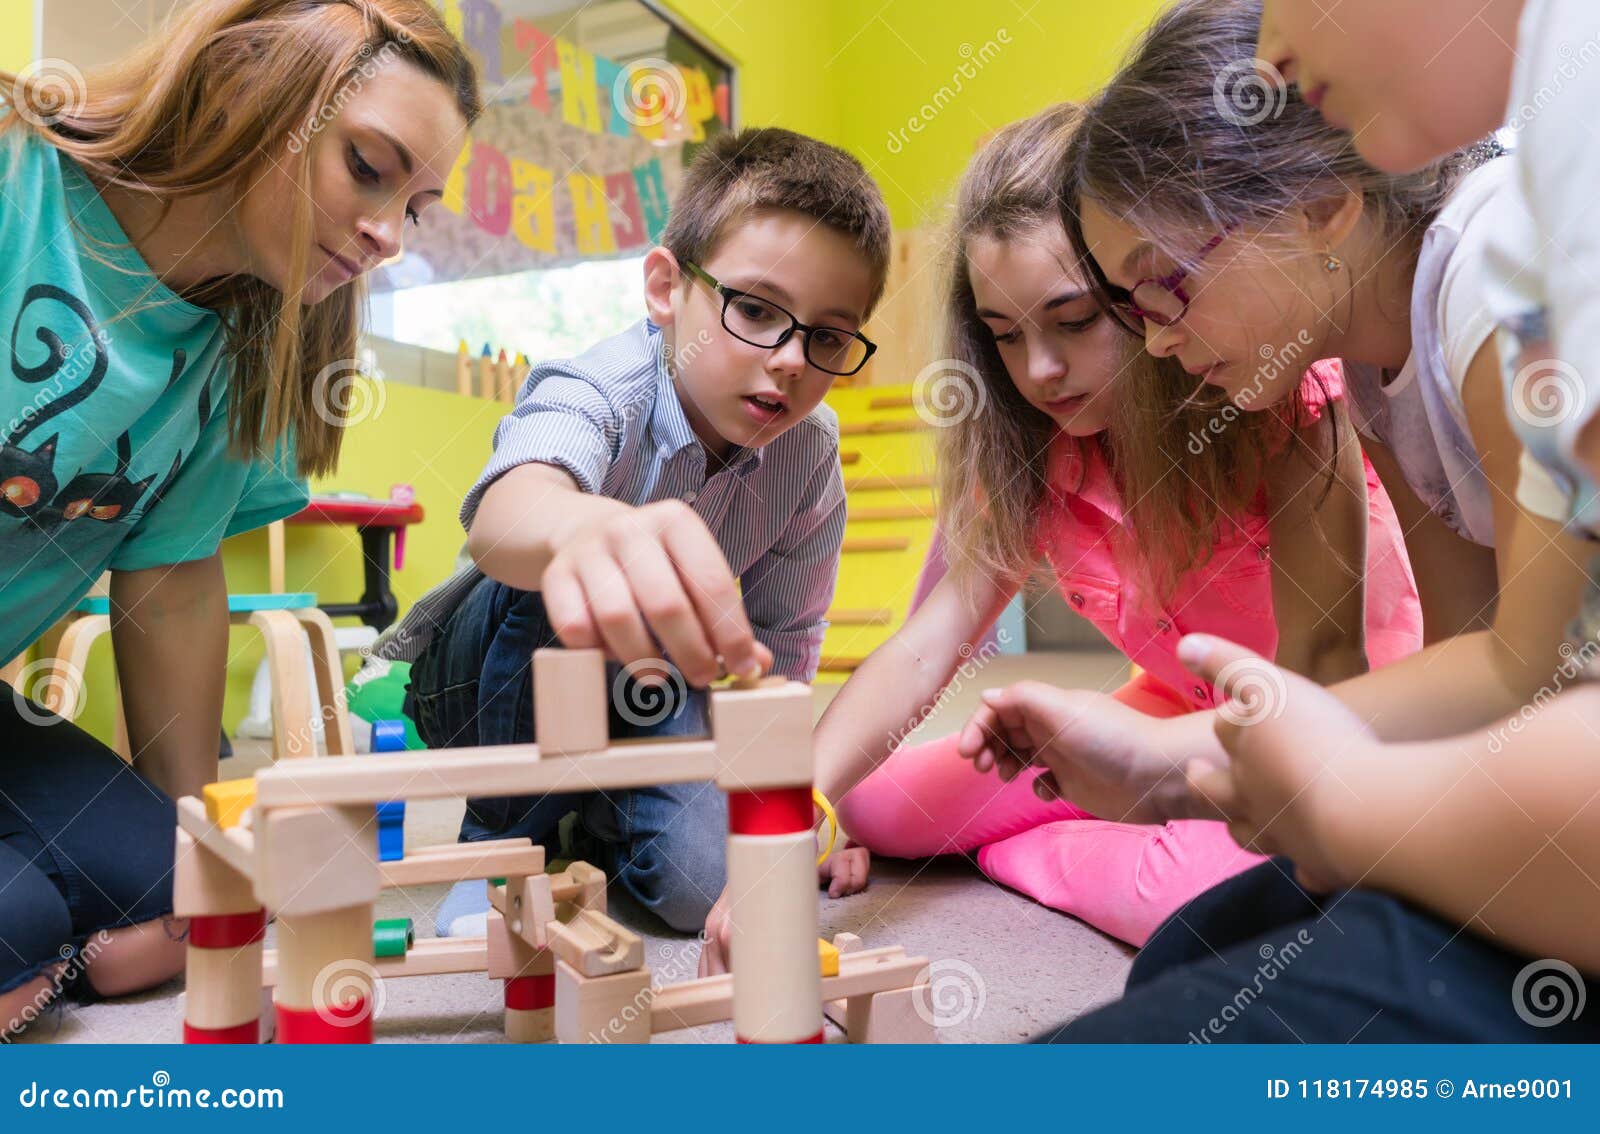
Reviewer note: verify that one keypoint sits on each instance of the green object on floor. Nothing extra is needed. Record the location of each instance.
(378, 693)
(392, 937)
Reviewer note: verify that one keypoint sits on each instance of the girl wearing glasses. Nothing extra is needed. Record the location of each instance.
(1384, 271)
(1065, 455)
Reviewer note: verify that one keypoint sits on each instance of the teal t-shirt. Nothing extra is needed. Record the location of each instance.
(113, 405)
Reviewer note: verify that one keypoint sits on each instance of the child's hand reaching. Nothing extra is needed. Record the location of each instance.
(844, 872)
(1101, 754)
(632, 577)
(1303, 768)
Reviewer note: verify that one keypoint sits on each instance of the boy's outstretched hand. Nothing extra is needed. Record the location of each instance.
(1304, 770)
(630, 577)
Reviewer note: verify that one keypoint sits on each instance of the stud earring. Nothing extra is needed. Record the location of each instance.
(1332, 263)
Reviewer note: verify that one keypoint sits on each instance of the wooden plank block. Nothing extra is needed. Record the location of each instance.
(227, 801)
(892, 1016)
(762, 736)
(450, 848)
(903, 482)
(464, 862)
(428, 957)
(318, 859)
(508, 769)
(608, 1009)
(876, 543)
(709, 1000)
(569, 701)
(204, 882)
(234, 846)
(511, 956)
(596, 945)
(529, 908)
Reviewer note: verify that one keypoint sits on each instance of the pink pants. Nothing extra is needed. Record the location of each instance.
(1122, 878)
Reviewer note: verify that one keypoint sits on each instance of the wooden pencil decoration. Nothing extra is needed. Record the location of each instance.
(463, 369)
(486, 374)
(502, 376)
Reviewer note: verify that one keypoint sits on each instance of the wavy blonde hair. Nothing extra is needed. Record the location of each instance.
(991, 468)
(207, 104)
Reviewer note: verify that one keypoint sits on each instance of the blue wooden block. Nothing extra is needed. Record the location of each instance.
(388, 736)
(391, 831)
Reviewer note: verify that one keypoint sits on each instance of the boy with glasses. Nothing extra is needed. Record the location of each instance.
(632, 485)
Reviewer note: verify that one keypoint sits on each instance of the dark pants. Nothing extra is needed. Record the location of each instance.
(86, 843)
(473, 685)
(1257, 960)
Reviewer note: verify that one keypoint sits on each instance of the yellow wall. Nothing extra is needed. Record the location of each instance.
(16, 33)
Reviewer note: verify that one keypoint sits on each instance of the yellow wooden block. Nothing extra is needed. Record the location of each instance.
(828, 956)
(228, 800)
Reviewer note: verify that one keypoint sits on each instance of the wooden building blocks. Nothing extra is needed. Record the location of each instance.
(308, 851)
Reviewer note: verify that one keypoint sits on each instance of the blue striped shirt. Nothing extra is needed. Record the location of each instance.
(612, 419)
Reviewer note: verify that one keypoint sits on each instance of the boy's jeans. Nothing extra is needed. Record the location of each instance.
(473, 685)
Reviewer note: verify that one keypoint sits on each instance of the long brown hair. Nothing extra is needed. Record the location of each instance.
(209, 103)
(991, 466)
(1192, 138)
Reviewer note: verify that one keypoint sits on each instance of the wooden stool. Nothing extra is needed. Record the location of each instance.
(286, 621)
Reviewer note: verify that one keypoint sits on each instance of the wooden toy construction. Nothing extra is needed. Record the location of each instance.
(305, 847)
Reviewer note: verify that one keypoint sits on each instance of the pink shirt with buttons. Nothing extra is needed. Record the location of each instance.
(1230, 595)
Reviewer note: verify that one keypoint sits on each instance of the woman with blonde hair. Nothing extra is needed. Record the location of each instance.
(185, 234)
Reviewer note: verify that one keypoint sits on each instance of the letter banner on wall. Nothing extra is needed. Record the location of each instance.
(590, 112)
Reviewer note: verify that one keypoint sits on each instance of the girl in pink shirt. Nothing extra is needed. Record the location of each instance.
(1268, 528)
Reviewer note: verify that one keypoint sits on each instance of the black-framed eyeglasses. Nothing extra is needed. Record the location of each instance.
(1162, 300)
(762, 323)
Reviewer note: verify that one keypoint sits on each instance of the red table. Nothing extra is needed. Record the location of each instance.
(378, 521)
